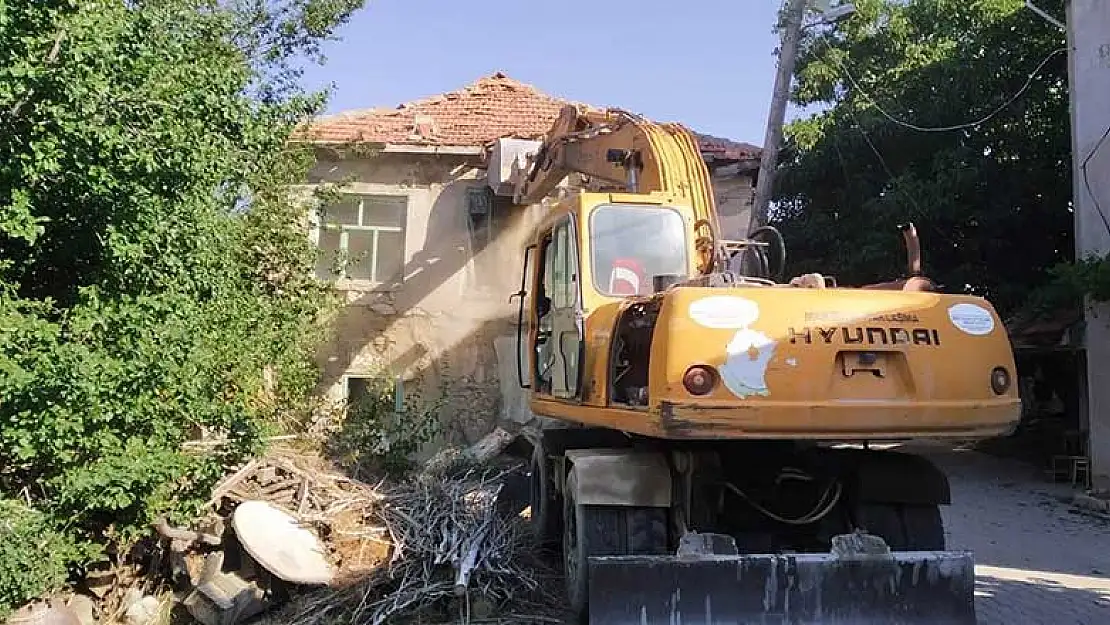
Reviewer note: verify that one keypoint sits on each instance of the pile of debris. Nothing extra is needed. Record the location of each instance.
(454, 554)
(294, 522)
(291, 540)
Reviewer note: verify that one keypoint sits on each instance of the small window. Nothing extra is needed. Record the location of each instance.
(560, 272)
(362, 238)
(358, 390)
(486, 216)
(479, 212)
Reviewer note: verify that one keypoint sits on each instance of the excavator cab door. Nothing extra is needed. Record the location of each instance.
(559, 314)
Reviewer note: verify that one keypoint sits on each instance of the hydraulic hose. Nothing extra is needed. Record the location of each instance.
(829, 498)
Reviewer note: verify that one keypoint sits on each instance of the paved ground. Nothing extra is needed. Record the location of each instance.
(1036, 560)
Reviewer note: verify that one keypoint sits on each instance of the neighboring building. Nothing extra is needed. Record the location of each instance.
(439, 252)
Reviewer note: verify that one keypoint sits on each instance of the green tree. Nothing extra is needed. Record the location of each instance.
(152, 263)
(991, 199)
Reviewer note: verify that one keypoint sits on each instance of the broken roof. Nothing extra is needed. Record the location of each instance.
(490, 108)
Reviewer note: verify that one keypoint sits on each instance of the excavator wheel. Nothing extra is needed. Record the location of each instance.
(924, 527)
(544, 504)
(903, 527)
(603, 531)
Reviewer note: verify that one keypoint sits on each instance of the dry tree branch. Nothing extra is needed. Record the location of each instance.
(451, 544)
(50, 58)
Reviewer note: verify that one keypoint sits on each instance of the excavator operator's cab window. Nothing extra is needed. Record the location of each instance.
(631, 244)
(558, 337)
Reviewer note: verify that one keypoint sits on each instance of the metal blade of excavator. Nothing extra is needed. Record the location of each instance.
(905, 588)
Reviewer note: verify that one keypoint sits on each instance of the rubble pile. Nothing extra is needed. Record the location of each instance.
(281, 522)
(337, 508)
(289, 539)
(456, 557)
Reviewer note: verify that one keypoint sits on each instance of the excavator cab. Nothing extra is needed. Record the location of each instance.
(700, 458)
(592, 254)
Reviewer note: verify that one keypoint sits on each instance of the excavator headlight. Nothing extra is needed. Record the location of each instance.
(1000, 380)
(699, 380)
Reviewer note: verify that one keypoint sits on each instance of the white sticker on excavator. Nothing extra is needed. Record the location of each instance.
(972, 319)
(746, 359)
(749, 351)
(724, 312)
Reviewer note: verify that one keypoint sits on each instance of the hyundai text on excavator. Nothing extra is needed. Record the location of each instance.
(713, 457)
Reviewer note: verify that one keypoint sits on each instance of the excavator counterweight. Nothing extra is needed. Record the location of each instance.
(707, 448)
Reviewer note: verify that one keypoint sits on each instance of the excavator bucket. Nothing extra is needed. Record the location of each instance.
(895, 588)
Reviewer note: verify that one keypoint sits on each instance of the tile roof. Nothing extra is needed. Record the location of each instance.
(490, 108)
(727, 149)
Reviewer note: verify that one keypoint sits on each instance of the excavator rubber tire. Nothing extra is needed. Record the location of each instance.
(882, 520)
(590, 531)
(904, 527)
(546, 520)
(924, 527)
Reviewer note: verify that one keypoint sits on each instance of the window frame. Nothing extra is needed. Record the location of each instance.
(345, 229)
(482, 238)
(571, 287)
(398, 389)
(602, 288)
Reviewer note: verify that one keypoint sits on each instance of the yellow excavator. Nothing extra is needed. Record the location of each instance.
(712, 448)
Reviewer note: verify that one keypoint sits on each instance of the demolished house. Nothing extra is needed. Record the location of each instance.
(439, 242)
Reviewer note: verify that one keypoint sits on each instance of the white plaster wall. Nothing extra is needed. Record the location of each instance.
(440, 328)
(734, 195)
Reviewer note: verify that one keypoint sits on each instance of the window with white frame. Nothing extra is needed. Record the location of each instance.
(362, 238)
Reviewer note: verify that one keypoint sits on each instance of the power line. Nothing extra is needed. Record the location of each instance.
(1087, 179)
(1025, 87)
(979, 122)
(895, 181)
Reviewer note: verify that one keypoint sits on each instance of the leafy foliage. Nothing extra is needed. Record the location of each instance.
(155, 279)
(376, 437)
(33, 554)
(1070, 284)
(991, 200)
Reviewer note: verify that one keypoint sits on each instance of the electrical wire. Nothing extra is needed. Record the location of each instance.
(978, 122)
(893, 178)
(1028, 83)
(996, 112)
(1087, 178)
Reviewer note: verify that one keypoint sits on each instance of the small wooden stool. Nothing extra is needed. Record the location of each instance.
(1074, 467)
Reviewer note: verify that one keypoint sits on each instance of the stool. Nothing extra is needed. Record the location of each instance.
(1074, 466)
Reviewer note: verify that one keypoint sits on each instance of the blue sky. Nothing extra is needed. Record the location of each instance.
(706, 63)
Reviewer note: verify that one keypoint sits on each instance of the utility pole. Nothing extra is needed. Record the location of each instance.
(1088, 26)
(788, 55)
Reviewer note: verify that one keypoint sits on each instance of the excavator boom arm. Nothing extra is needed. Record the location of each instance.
(622, 150)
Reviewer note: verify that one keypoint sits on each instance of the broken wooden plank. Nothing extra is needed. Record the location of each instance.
(226, 485)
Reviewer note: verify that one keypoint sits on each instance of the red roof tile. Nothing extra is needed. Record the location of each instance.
(727, 149)
(492, 107)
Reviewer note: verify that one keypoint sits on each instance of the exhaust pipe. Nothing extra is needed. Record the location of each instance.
(915, 280)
